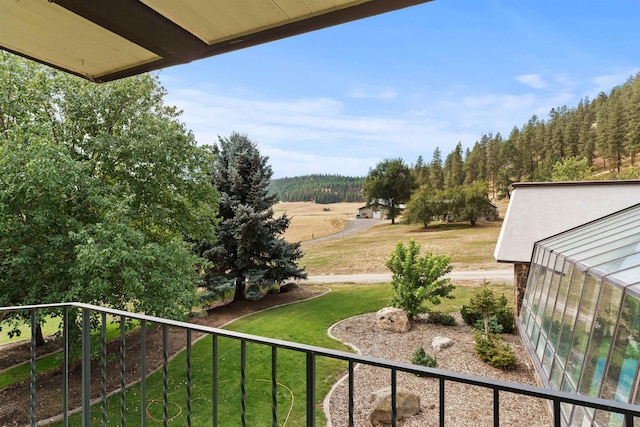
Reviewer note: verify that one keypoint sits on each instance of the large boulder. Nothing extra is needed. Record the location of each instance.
(407, 405)
(441, 342)
(393, 319)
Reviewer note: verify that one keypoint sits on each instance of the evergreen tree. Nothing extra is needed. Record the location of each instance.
(611, 130)
(421, 172)
(249, 256)
(493, 161)
(586, 131)
(436, 174)
(454, 168)
(633, 120)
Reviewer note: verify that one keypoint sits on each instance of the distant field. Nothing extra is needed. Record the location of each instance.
(311, 220)
(470, 247)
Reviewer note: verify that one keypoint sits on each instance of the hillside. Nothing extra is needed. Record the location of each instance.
(318, 188)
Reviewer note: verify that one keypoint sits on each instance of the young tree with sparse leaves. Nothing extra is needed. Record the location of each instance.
(416, 279)
(249, 255)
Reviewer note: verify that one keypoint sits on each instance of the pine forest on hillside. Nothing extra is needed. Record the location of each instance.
(318, 188)
(603, 131)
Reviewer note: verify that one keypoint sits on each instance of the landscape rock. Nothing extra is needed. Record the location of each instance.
(407, 405)
(393, 319)
(441, 342)
(287, 287)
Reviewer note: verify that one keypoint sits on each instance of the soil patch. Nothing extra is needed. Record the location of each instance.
(14, 400)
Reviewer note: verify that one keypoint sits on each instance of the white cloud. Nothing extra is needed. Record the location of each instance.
(534, 81)
(385, 94)
(606, 82)
(327, 135)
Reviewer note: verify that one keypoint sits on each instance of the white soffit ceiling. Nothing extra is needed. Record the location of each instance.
(104, 40)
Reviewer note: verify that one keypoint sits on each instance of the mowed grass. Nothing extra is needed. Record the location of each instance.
(50, 326)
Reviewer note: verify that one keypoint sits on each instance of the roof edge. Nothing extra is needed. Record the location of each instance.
(574, 183)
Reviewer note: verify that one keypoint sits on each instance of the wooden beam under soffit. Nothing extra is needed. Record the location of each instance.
(143, 26)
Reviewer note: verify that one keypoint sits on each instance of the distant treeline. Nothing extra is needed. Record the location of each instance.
(318, 188)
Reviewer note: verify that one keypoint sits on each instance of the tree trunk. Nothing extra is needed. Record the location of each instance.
(240, 285)
(39, 337)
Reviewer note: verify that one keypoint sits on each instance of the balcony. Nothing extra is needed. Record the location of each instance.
(194, 386)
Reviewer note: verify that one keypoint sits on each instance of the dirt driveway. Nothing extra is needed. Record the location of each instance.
(354, 225)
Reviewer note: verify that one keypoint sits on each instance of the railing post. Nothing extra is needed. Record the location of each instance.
(214, 380)
(165, 377)
(274, 386)
(143, 373)
(496, 407)
(32, 384)
(123, 371)
(243, 379)
(65, 366)
(441, 394)
(103, 366)
(394, 403)
(628, 419)
(351, 379)
(311, 389)
(86, 368)
(556, 413)
(189, 377)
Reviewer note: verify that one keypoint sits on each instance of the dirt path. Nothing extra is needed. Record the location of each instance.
(353, 226)
(495, 275)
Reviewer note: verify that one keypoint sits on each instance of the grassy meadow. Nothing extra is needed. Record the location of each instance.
(310, 220)
(470, 247)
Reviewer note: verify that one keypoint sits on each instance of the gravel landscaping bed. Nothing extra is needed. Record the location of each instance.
(464, 405)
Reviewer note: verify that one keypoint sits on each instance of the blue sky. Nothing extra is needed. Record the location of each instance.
(339, 100)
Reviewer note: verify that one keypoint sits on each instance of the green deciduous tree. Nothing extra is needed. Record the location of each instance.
(472, 202)
(102, 189)
(249, 255)
(391, 180)
(417, 279)
(572, 169)
(423, 207)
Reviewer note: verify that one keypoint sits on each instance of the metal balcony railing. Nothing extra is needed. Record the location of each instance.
(97, 318)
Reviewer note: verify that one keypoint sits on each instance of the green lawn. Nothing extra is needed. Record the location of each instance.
(50, 326)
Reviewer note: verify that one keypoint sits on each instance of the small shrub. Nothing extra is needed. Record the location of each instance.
(438, 318)
(494, 326)
(493, 351)
(469, 316)
(500, 311)
(326, 209)
(422, 358)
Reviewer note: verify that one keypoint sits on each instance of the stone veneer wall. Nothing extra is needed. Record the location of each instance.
(521, 274)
